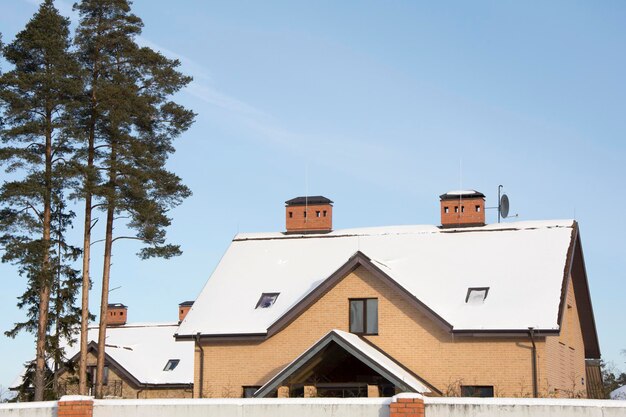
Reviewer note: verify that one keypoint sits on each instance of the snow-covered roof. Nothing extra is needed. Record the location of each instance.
(619, 393)
(358, 347)
(143, 349)
(520, 262)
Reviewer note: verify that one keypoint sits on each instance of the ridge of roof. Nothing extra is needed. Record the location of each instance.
(408, 229)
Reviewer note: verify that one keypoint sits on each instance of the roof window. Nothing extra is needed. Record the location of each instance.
(171, 364)
(267, 299)
(476, 295)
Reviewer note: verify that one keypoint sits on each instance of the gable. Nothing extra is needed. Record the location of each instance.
(359, 348)
(518, 261)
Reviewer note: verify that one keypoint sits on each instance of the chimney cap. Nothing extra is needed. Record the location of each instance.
(314, 199)
(186, 303)
(456, 194)
(117, 305)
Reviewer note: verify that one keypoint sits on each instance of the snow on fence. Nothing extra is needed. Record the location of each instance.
(522, 407)
(401, 405)
(39, 409)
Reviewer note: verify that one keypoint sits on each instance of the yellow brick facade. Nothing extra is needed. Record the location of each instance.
(565, 354)
(415, 340)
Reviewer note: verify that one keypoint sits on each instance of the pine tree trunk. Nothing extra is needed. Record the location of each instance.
(104, 301)
(44, 284)
(83, 389)
(106, 271)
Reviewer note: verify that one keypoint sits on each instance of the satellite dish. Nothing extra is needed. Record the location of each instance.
(504, 206)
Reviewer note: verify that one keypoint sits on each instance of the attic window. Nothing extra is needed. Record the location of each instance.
(171, 364)
(267, 299)
(476, 295)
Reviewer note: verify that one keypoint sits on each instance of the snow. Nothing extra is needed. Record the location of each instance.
(462, 192)
(518, 261)
(382, 360)
(143, 349)
(619, 393)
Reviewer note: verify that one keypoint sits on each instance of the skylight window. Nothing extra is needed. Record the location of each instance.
(267, 299)
(476, 295)
(171, 364)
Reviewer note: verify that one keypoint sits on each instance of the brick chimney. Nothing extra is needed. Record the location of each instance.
(463, 208)
(116, 314)
(309, 215)
(183, 309)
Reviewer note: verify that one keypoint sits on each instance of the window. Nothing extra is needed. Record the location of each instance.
(171, 364)
(324, 213)
(476, 390)
(305, 214)
(248, 391)
(291, 214)
(446, 210)
(456, 209)
(267, 299)
(476, 295)
(364, 316)
(477, 209)
(92, 371)
(318, 213)
(462, 209)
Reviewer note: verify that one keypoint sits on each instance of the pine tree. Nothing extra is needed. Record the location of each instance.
(35, 95)
(133, 125)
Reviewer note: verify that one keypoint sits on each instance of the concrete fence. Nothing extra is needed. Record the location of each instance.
(403, 405)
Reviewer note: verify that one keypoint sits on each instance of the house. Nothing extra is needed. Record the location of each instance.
(142, 360)
(464, 308)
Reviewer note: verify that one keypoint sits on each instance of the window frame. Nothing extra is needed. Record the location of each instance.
(477, 389)
(245, 388)
(268, 294)
(171, 365)
(364, 301)
(469, 292)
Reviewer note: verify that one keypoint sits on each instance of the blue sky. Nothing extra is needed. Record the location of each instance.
(381, 107)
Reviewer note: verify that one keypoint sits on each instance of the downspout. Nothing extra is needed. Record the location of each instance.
(531, 333)
(201, 365)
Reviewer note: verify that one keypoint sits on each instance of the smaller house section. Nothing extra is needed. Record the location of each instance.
(142, 361)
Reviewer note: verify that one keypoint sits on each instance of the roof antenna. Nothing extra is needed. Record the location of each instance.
(460, 189)
(306, 193)
(503, 205)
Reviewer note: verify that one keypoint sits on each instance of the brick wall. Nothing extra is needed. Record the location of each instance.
(75, 406)
(407, 407)
(462, 212)
(416, 341)
(318, 217)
